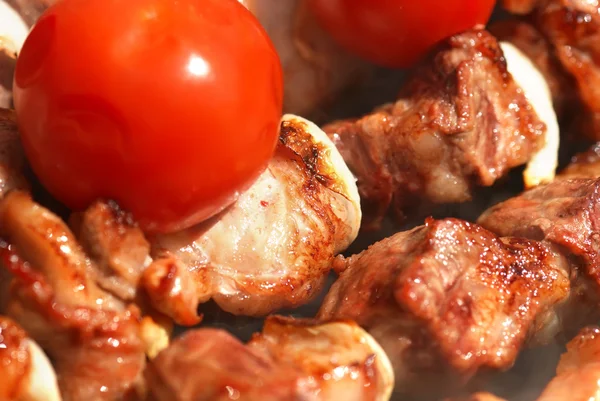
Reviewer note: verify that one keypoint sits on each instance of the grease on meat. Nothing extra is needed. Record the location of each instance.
(290, 360)
(273, 248)
(449, 299)
(93, 337)
(461, 122)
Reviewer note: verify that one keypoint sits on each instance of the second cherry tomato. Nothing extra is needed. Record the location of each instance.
(396, 33)
(169, 107)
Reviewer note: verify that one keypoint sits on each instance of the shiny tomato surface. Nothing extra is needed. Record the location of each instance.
(396, 33)
(169, 107)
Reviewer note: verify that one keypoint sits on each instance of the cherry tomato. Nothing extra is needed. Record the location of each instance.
(396, 33)
(169, 107)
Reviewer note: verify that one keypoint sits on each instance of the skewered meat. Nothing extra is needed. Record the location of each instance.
(25, 371)
(93, 338)
(289, 360)
(273, 248)
(461, 122)
(449, 299)
(584, 165)
(564, 212)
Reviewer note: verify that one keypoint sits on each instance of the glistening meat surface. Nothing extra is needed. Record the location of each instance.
(274, 247)
(449, 299)
(289, 360)
(459, 123)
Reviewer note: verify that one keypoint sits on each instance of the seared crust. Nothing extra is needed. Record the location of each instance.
(459, 123)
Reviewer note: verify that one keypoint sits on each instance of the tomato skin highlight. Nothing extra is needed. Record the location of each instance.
(171, 108)
(397, 33)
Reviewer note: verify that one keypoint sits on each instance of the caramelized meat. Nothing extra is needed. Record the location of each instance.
(565, 212)
(290, 360)
(93, 337)
(449, 299)
(537, 48)
(273, 248)
(584, 165)
(459, 123)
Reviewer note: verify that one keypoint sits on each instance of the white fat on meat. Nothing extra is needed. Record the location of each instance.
(541, 168)
(13, 29)
(274, 247)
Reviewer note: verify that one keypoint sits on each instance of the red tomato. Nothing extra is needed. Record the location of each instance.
(396, 33)
(168, 107)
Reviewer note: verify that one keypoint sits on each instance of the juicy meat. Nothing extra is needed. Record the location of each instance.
(449, 299)
(273, 248)
(584, 165)
(118, 247)
(459, 123)
(315, 68)
(290, 360)
(93, 337)
(537, 48)
(565, 212)
(573, 29)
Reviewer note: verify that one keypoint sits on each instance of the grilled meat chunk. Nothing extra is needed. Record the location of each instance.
(273, 248)
(290, 360)
(448, 299)
(461, 122)
(584, 165)
(93, 338)
(565, 212)
(26, 372)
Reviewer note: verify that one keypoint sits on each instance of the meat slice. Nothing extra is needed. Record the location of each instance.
(449, 299)
(461, 122)
(584, 165)
(565, 212)
(93, 338)
(273, 248)
(26, 372)
(290, 360)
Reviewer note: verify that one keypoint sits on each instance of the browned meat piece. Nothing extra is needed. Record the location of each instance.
(461, 122)
(573, 28)
(116, 245)
(520, 6)
(30, 10)
(535, 46)
(565, 212)
(584, 165)
(273, 248)
(449, 299)
(290, 360)
(93, 338)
